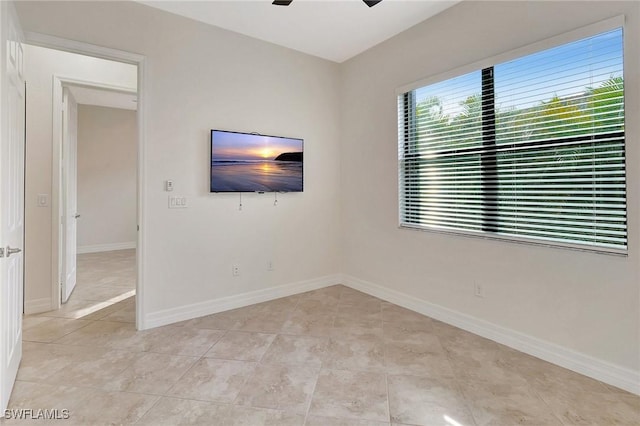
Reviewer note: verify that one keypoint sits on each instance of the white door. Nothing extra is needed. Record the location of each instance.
(69, 192)
(11, 199)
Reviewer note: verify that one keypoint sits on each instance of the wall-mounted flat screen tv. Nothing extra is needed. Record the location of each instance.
(248, 162)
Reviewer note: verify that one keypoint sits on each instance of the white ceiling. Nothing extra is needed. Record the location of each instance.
(105, 98)
(331, 29)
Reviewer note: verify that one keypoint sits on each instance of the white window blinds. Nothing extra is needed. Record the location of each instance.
(531, 149)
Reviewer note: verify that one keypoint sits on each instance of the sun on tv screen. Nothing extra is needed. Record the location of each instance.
(248, 162)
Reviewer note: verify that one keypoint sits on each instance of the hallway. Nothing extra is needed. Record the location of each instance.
(105, 291)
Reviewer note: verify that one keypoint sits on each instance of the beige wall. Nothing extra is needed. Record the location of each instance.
(197, 78)
(40, 67)
(200, 77)
(107, 156)
(588, 303)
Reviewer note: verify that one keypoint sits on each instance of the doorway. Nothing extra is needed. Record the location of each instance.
(97, 243)
(76, 88)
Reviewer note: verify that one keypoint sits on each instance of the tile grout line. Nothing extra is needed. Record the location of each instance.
(257, 363)
(157, 401)
(96, 388)
(544, 402)
(165, 394)
(56, 339)
(386, 383)
(312, 394)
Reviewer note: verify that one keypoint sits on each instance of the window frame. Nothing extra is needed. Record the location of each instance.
(485, 66)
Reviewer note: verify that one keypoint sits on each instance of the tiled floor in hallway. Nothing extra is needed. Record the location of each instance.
(334, 356)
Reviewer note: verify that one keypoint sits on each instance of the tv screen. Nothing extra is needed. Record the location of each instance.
(247, 162)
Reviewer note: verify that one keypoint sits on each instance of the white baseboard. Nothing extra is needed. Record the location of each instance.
(614, 375)
(208, 307)
(36, 306)
(106, 247)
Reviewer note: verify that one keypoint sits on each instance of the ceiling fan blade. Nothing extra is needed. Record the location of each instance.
(369, 3)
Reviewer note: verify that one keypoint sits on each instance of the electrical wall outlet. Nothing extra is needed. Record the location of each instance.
(270, 266)
(478, 290)
(235, 270)
(43, 200)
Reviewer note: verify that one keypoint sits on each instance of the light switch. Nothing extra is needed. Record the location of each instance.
(43, 200)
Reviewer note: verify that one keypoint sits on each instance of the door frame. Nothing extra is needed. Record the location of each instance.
(58, 194)
(72, 46)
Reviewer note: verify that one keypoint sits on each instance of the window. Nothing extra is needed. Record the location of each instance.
(530, 150)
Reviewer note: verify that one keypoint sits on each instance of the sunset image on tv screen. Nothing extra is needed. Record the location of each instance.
(242, 162)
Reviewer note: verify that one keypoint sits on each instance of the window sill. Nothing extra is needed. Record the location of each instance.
(516, 240)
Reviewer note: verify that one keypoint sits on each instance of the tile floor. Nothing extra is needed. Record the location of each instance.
(334, 356)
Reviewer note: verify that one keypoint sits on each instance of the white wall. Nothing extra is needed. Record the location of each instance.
(200, 77)
(40, 66)
(587, 303)
(197, 78)
(107, 157)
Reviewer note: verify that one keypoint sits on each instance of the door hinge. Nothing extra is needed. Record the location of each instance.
(1, 252)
